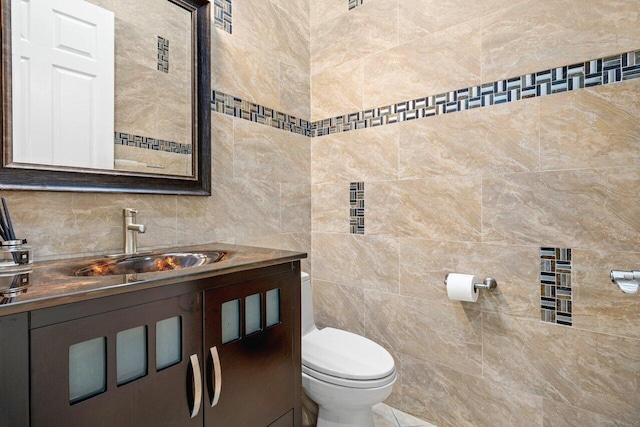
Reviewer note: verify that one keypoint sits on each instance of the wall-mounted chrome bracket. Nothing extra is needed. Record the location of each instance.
(489, 284)
(627, 281)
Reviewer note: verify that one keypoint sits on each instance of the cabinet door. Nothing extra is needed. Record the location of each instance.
(131, 367)
(249, 349)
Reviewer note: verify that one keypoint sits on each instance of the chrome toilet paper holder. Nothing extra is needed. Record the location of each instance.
(489, 283)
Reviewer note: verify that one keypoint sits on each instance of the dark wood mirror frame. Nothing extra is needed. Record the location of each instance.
(110, 182)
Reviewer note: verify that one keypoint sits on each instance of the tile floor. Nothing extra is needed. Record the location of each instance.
(386, 416)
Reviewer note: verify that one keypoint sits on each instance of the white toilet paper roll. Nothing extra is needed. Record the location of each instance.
(460, 287)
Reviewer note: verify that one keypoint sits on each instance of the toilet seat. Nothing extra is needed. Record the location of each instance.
(346, 359)
(347, 383)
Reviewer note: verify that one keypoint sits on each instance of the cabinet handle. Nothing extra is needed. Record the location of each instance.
(197, 384)
(217, 375)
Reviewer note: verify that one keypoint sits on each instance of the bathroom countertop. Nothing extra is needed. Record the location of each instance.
(53, 283)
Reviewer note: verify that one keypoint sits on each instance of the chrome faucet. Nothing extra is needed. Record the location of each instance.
(131, 230)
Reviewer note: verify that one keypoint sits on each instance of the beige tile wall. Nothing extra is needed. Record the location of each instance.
(261, 176)
(479, 192)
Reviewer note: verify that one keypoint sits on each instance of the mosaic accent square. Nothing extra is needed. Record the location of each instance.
(355, 3)
(163, 54)
(150, 143)
(222, 15)
(356, 207)
(556, 293)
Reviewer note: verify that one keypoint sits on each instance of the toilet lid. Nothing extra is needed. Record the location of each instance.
(346, 355)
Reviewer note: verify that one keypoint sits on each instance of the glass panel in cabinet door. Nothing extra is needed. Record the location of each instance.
(87, 369)
(273, 307)
(131, 354)
(252, 314)
(230, 321)
(168, 342)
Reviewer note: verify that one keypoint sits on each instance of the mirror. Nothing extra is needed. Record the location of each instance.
(115, 98)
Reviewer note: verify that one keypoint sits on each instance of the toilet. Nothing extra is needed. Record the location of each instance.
(344, 373)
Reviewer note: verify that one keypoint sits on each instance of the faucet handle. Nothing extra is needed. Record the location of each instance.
(129, 211)
(138, 227)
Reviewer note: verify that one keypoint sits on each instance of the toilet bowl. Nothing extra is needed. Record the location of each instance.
(344, 373)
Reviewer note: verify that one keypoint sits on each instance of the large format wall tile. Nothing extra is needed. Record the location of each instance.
(198, 221)
(500, 139)
(61, 225)
(343, 157)
(300, 242)
(338, 306)
(330, 207)
(594, 209)
(587, 370)
(441, 333)
(425, 263)
(295, 207)
(238, 209)
(261, 151)
(298, 10)
(235, 67)
(534, 35)
(598, 303)
(440, 208)
(557, 414)
(245, 207)
(136, 109)
(370, 28)
(450, 59)
(369, 262)
(450, 398)
(295, 87)
(221, 145)
(597, 127)
(322, 11)
(338, 90)
(420, 17)
(287, 38)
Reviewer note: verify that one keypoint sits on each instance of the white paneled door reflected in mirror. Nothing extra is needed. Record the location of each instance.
(97, 84)
(98, 94)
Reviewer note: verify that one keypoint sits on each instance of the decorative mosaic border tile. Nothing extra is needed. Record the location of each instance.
(236, 107)
(356, 207)
(222, 15)
(556, 295)
(596, 72)
(151, 143)
(355, 3)
(163, 54)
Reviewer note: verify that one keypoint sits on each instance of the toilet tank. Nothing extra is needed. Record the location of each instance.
(308, 324)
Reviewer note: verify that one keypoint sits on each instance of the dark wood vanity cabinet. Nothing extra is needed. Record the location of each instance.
(216, 352)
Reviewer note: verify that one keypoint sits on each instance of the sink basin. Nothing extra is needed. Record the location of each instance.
(149, 263)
